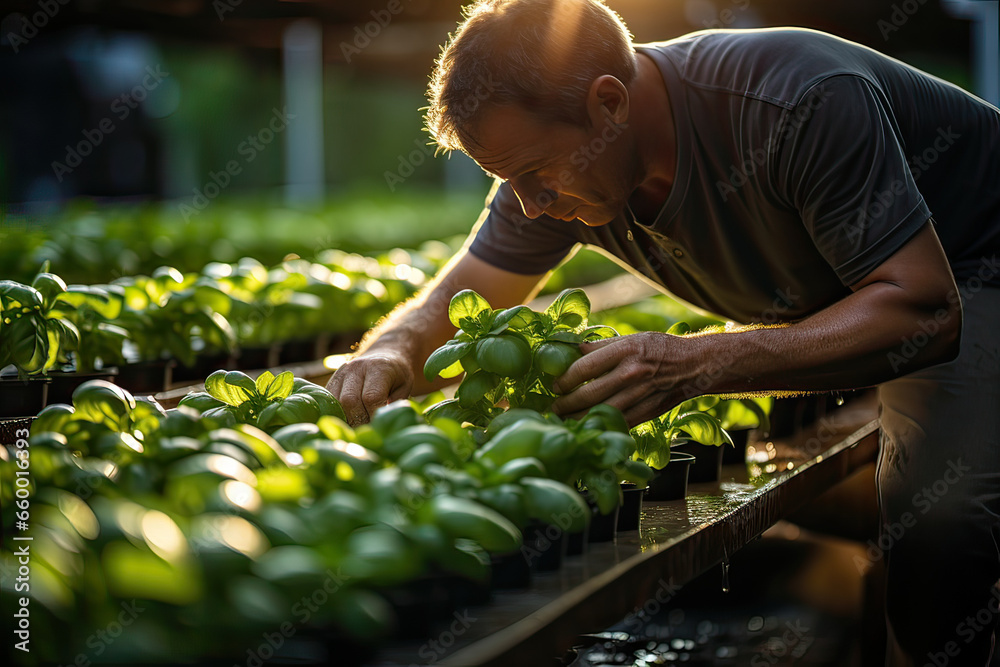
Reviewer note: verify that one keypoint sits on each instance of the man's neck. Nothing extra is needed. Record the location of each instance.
(652, 125)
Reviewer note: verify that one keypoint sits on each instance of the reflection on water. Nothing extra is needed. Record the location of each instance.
(665, 522)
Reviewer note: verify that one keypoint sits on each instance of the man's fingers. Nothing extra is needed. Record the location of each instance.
(583, 398)
(375, 393)
(351, 400)
(591, 365)
(399, 394)
(334, 385)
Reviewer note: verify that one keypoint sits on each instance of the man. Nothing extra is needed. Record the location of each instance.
(757, 174)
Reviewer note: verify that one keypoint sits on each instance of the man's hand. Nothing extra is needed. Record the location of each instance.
(369, 381)
(390, 362)
(643, 375)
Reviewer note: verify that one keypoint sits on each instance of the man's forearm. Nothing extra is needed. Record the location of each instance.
(412, 330)
(867, 338)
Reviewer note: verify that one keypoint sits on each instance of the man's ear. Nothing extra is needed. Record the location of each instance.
(607, 101)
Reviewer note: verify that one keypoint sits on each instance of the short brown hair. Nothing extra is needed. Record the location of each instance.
(541, 55)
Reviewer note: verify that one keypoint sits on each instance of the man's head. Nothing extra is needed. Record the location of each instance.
(540, 55)
(530, 71)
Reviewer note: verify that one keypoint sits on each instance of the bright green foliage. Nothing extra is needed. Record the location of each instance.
(655, 437)
(510, 357)
(35, 332)
(268, 402)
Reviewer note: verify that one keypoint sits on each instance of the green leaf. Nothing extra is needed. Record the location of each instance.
(263, 381)
(570, 309)
(759, 407)
(230, 394)
(598, 332)
(466, 304)
(241, 380)
(105, 303)
(444, 358)
(566, 337)
(16, 295)
(213, 298)
(701, 427)
(516, 318)
(50, 286)
(279, 387)
(679, 329)
(132, 572)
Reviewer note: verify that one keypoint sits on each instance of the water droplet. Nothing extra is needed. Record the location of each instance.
(725, 569)
(838, 398)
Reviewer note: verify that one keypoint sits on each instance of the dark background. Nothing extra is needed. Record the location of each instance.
(225, 77)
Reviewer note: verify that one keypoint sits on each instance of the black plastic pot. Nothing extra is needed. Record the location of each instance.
(146, 377)
(707, 466)
(303, 349)
(737, 454)
(467, 592)
(418, 604)
(509, 570)
(670, 483)
(631, 508)
(254, 358)
(602, 526)
(544, 546)
(22, 398)
(205, 365)
(64, 384)
(576, 543)
(338, 648)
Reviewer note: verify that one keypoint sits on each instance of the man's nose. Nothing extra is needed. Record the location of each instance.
(534, 200)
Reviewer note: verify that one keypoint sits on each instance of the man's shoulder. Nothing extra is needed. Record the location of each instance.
(776, 65)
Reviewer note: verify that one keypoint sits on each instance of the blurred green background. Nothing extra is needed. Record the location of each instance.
(132, 203)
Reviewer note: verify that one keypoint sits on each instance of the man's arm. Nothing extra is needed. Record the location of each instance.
(903, 316)
(390, 360)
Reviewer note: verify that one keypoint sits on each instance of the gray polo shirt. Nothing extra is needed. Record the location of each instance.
(803, 162)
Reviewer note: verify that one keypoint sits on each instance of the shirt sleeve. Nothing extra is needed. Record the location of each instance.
(845, 171)
(509, 240)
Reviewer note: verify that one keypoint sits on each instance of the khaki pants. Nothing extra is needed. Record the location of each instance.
(939, 496)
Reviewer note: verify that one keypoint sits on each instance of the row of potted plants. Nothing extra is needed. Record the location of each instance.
(222, 514)
(146, 328)
(218, 527)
